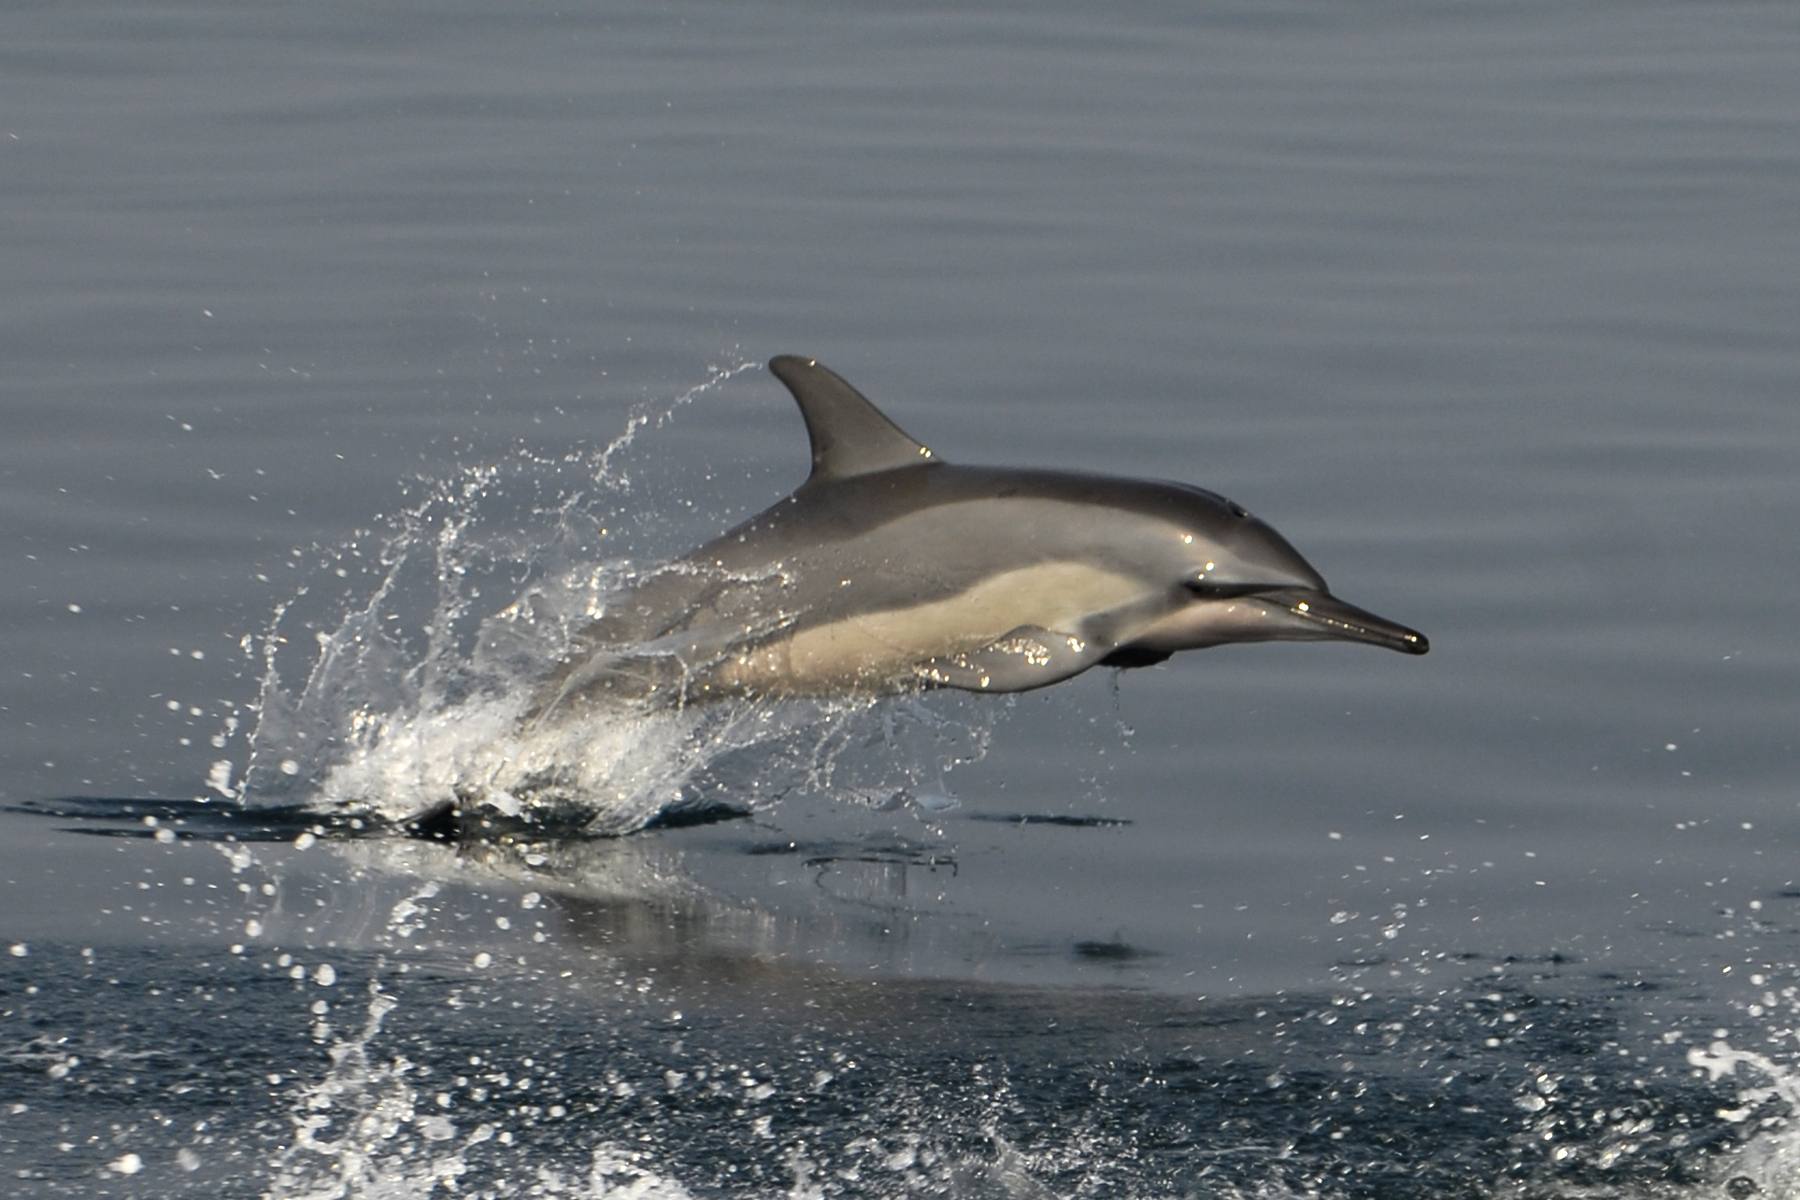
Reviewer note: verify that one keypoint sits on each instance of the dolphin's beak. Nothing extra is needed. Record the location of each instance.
(1323, 616)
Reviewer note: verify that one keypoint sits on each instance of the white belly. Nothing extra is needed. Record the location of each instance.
(881, 647)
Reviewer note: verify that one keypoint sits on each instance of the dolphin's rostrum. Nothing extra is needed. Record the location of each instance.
(890, 569)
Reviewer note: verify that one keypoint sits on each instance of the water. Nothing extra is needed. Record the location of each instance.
(1490, 309)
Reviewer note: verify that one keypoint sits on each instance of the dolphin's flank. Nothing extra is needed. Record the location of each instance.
(890, 569)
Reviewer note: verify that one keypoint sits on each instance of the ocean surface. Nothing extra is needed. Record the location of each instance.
(333, 330)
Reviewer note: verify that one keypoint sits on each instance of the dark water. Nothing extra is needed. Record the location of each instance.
(1491, 309)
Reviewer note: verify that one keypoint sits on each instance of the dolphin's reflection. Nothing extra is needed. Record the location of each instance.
(852, 902)
(714, 901)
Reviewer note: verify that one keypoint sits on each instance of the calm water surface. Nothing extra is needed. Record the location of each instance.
(1492, 310)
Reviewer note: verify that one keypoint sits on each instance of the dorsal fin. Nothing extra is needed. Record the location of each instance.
(849, 435)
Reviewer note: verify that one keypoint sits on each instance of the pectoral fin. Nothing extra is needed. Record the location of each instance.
(1026, 658)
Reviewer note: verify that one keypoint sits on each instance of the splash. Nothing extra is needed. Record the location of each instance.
(1767, 1161)
(396, 678)
(369, 1126)
(453, 1105)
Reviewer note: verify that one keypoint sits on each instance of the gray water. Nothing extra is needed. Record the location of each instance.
(1491, 309)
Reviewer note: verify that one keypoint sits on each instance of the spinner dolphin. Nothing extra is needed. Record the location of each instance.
(890, 569)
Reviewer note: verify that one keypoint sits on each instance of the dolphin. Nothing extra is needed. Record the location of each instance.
(891, 570)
